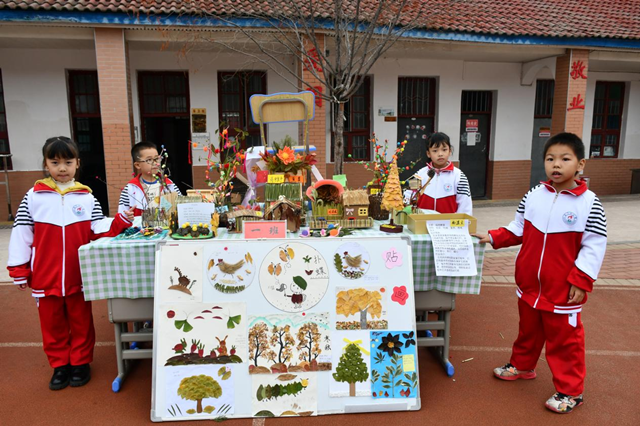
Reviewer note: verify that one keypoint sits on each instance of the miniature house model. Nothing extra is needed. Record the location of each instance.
(356, 204)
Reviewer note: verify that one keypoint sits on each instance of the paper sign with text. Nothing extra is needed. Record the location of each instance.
(452, 248)
(275, 178)
(265, 229)
(195, 213)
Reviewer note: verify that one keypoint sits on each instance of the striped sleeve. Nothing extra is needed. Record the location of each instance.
(96, 214)
(597, 221)
(23, 216)
(594, 245)
(463, 186)
(523, 202)
(124, 202)
(173, 188)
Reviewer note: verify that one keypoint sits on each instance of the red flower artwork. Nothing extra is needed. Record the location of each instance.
(400, 295)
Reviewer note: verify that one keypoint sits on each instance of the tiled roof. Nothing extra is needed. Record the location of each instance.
(546, 18)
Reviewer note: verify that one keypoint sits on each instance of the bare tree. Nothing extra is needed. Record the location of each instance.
(337, 41)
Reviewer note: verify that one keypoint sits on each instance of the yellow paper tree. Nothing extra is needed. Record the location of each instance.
(359, 300)
(392, 196)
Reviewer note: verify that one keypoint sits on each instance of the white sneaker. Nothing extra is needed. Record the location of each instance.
(564, 404)
(509, 372)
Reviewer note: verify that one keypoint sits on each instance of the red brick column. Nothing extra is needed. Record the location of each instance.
(317, 127)
(115, 108)
(570, 92)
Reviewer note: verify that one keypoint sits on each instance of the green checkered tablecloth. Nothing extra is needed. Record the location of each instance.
(126, 270)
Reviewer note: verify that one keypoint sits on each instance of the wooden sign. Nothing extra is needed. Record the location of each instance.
(272, 178)
(262, 229)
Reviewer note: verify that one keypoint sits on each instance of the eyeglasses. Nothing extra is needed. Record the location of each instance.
(151, 161)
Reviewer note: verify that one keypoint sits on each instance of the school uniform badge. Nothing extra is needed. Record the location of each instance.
(78, 210)
(448, 187)
(569, 218)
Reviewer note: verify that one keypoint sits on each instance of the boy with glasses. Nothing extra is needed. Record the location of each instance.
(145, 189)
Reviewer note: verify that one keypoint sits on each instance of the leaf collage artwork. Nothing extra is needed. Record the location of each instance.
(393, 364)
(361, 308)
(294, 277)
(285, 395)
(351, 260)
(289, 343)
(200, 391)
(204, 334)
(281, 328)
(181, 273)
(231, 270)
(351, 363)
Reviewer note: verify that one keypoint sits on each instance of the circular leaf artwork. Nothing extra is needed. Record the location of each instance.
(294, 277)
(231, 271)
(351, 260)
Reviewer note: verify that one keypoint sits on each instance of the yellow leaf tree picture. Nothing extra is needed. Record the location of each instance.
(359, 300)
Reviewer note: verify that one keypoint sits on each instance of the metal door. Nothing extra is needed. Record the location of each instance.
(475, 132)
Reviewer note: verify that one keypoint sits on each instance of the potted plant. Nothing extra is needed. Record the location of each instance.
(282, 158)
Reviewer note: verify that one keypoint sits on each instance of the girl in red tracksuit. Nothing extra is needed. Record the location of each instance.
(448, 191)
(563, 231)
(55, 218)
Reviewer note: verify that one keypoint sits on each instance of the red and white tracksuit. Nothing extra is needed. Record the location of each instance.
(448, 191)
(133, 195)
(564, 238)
(43, 252)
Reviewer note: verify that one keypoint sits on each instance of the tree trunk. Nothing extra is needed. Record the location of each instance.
(199, 409)
(363, 320)
(338, 148)
(352, 388)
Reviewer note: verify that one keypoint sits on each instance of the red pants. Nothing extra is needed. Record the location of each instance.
(68, 336)
(565, 346)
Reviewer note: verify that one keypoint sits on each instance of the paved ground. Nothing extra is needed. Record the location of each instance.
(483, 329)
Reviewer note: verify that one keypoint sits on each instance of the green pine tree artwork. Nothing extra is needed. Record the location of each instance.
(351, 368)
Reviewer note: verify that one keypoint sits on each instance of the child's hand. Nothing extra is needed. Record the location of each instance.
(129, 214)
(22, 287)
(484, 238)
(576, 295)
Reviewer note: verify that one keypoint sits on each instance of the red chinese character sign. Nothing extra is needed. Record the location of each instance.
(576, 103)
(312, 60)
(577, 70)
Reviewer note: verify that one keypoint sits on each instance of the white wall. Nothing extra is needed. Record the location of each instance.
(513, 104)
(36, 101)
(203, 82)
(630, 131)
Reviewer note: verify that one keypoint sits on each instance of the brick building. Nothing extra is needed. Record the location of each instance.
(497, 76)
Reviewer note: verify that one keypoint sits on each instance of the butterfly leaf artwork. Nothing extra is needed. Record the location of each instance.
(294, 277)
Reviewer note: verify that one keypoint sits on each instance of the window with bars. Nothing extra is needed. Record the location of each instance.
(85, 107)
(476, 102)
(416, 97)
(607, 119)
(163, 94)
(544, 98)
(4, 134)
(357, 126)
(234, 90)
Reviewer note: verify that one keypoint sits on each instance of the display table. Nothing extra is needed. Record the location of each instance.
(124, 271)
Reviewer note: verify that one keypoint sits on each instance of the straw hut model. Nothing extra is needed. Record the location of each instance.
(356, 204)
(284, 209)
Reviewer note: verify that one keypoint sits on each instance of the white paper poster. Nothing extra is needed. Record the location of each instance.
(195, 213)
(452, 248)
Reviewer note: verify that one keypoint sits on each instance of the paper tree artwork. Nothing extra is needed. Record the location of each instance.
(199, 391)
(392, 198)
(289, 343)
(294, 277)
(202, 333)
(351, 260)
(351, 363)
(181, 273)
(290, 394)
(393, 364)
(231, 270)
(361, 308)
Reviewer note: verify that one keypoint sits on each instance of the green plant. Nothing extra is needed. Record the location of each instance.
(284, 159)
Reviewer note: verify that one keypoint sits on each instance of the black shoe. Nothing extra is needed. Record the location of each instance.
(80, 375)
(60, 379)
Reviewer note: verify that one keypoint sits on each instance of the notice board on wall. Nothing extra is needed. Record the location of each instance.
(291, 327)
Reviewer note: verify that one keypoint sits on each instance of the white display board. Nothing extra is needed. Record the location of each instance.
(291, 327)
